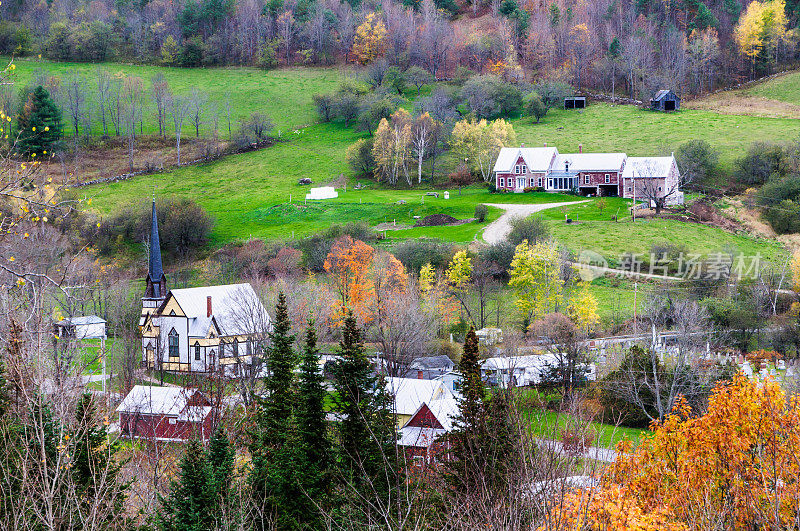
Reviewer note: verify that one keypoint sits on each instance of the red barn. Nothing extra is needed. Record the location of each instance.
(165, 414)
(420, 436)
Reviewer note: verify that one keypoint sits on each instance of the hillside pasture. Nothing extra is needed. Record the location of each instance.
(776, 97)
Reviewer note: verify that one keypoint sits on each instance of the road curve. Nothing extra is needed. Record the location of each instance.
(499, 229)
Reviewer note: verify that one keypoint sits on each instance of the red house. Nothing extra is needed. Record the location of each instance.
(421, 435)
(165, 414)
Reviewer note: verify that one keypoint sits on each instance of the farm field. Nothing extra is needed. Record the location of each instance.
(776, 97)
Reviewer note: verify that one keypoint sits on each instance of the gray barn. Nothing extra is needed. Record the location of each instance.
(665, 100)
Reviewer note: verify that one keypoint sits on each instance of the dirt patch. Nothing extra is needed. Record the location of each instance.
(435, 220)
(391, 226)
(739, 103)
(749, 218)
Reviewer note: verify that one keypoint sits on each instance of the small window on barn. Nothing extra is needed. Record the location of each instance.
(197, 352)
(173, 420)
(172, 338)
(608, 178)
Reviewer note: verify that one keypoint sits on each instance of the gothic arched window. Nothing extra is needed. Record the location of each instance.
(174, 349)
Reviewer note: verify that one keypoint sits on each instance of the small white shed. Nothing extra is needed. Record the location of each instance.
(85, 327)
(322, 192)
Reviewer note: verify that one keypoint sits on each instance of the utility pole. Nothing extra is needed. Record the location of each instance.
(635, 326)
(633, 180)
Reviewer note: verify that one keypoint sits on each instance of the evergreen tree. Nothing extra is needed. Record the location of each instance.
(273, 478)
(500, 442)
(39, 124)
(314, 457)
(94, 468)
(367, 432)
(190, 504)
(467, 464)
(220, 464)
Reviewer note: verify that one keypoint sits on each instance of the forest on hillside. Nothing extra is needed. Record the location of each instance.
(630, 46)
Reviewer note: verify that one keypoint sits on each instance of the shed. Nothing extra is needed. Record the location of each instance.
(665, 100)
(575, 102)
(165, 413)
(430, 367)
(85, 327)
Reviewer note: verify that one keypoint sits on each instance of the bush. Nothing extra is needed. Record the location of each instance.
(528, 189)
(359, 157)
(761, 162)
(500, 253)
(192, 52)
(315, 248)
(480, 212)
(15, 39)
(532, 228)
(780, 203)
(416, 253)
(697, 160)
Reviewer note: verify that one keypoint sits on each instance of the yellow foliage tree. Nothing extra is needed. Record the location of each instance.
(479, 143)
(796, 270)
(734, 467)
(583, 311)
(169, 51)
(762, 29)
(391, 147)
(536, 276)
(370, 39)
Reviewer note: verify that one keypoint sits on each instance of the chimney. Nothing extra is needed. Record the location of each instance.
(208, 306)
(545, 144)
(580, 148)
(420, 376)
(522, 145)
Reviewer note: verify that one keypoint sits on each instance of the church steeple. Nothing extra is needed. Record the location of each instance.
(156, 280)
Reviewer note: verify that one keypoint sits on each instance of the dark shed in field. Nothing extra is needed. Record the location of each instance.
(665, 100)
(575, 102)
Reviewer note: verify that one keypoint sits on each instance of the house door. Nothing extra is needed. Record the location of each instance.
(520, 182)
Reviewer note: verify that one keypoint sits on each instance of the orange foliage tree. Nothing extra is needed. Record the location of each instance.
(347, 264)
(734, 467)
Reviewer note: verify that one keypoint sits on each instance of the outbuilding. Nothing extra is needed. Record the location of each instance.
(575, 102)
(665, 100)
(84, 327)
(165, 414)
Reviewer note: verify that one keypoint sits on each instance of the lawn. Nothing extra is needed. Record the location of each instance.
(784, 88)
(611, 239)
(550, 425)
(282, 94)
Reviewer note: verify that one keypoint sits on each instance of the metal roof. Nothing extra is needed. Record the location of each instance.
(81, 320)
(647, 167)
(586, 162)
(410, 393)
(661, 93)
(432, 362)
(155, 400)
(235, 308)
(538, 159)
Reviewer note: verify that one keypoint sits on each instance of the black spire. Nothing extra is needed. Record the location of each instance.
(156, 281)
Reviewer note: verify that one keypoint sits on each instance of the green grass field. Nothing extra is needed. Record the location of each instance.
(782, 88)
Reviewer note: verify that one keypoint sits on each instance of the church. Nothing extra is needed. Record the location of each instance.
(209, 329)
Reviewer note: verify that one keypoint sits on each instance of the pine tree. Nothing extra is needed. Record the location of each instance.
(39, 124)
(94, 468)
(314, 457)
(367, 432)
(499, 443)
(190, 504)
(273, 477)
(220, 464)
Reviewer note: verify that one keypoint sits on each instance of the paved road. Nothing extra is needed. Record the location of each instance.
(499, 229)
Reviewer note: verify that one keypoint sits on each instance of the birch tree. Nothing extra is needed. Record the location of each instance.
(478, 143)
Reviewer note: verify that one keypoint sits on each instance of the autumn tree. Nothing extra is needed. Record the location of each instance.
(459, 277)
(462, 176)
(479, 143)
(761, 31)
(391, 147)
(536, 278)
(565, 341)
(370, 39)
(422, 134)
(347, 264)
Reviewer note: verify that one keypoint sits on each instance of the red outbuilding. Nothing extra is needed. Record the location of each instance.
(165, 414)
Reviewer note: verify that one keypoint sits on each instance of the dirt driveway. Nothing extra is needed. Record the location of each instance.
(499, 229)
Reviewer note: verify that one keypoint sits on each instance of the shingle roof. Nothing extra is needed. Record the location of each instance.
(538, 159)
(155, 400)
(644, 167)
(432, 362)
(591, 161)
(236, 308)
(410, 393)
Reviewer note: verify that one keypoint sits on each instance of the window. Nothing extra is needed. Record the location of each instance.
(523, 169)
(608, 178)
(550, 183)
(659, 188)
(172, 312)
(235, 347)
(197, 352)
(540, 182)
(502, 182)
(586, 179)
(172, 341)
(516, 169)
(249, 347)
(629, 188)
(173, 420)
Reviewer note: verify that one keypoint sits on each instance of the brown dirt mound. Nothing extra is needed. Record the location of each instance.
(435, 220)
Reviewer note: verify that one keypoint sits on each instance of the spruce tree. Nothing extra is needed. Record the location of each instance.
(499, 445)
(190, 504)
(467, 463)
(220, 464)
(367, 432)
(39, 124)
(95, 470)
(273, 477)
(314, 457)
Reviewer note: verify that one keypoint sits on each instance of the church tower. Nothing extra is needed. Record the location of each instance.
(156, 290)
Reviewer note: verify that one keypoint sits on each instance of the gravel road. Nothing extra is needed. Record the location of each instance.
(499, 229)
